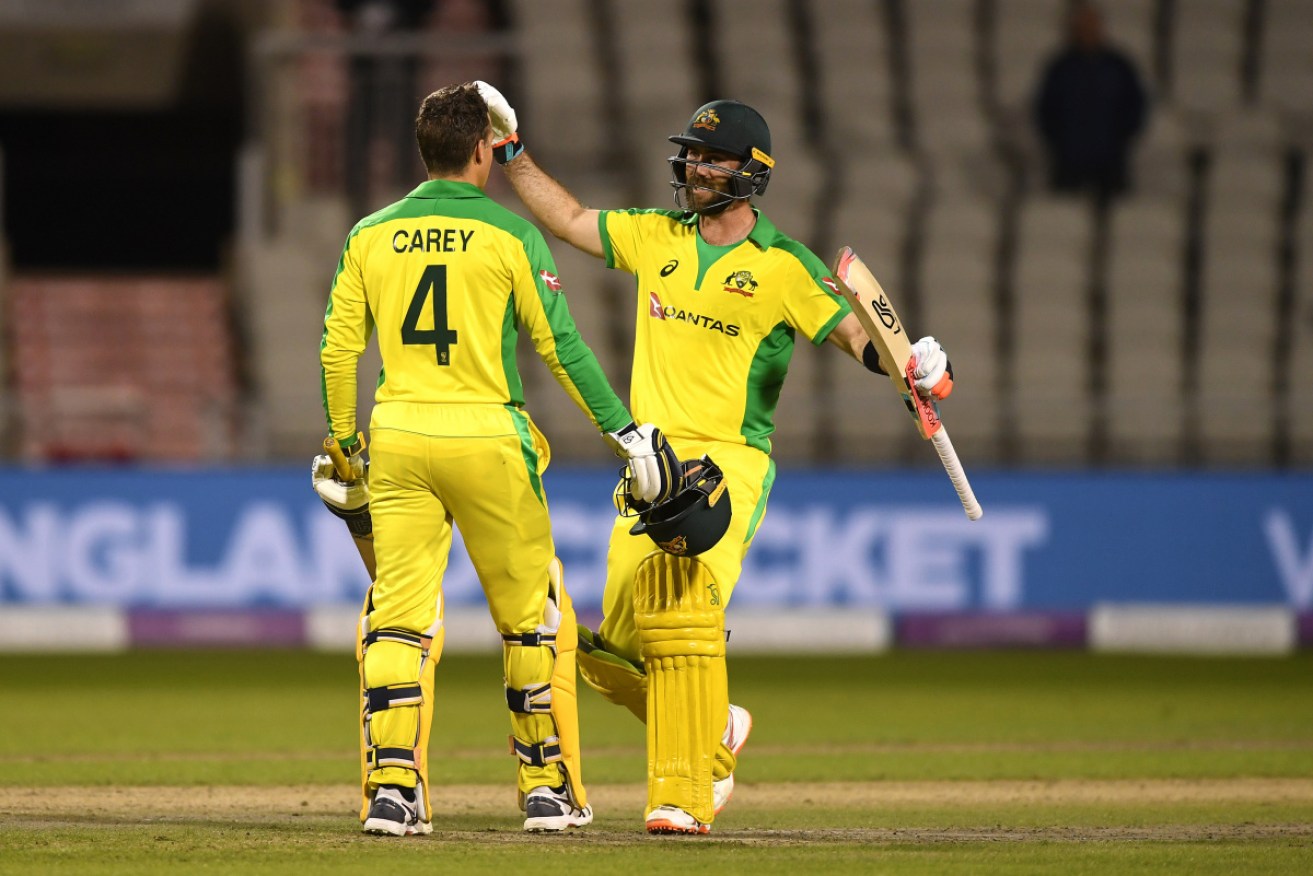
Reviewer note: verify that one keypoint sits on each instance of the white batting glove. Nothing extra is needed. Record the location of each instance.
(652, 462)
(350, 496)
(934, 373)
(506, 143)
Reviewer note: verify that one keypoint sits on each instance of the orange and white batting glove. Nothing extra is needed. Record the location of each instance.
(934, 373)
(506, 145)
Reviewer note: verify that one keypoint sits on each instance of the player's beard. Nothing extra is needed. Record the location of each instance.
(709, 196)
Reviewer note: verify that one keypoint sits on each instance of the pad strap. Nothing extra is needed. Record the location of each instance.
(405, 637)
(391, 757)
(531, 640)
(380, 698)
(530, 700)
(537, 753)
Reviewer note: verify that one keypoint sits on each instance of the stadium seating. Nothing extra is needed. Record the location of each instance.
(959, 305)
(1145, 333)
(900, 128)
(123, 369)
(1049, 379)
(1299, 392)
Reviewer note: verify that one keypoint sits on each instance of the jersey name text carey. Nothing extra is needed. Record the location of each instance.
(431, 240)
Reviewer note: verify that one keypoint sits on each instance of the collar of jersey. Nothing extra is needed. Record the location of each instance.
(763, 230)
(445, 188)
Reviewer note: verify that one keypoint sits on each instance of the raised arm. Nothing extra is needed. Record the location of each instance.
(550, 202)
(934, 372)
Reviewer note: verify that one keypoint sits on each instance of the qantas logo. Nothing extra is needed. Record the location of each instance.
(829, 281)
(657, 310)
(550, 280)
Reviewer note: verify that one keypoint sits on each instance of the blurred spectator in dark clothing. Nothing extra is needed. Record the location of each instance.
(381, 108)
(1089, 108)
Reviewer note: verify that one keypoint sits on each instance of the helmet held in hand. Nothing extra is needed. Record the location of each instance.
(694, 519)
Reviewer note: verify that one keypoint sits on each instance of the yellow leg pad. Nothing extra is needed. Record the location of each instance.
(681, 627)
(396, 712)
(528, 673)
(544, 699)
(612, 676)
(625, 684)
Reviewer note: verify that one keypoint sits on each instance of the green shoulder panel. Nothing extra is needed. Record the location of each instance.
(816, 269)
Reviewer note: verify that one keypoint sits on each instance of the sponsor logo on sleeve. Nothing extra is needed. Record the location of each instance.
(550, 280)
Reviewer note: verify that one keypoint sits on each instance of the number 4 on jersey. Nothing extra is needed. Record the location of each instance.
(440, 336)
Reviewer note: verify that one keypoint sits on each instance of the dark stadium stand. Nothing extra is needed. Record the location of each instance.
(1173, 329)
(122, 369)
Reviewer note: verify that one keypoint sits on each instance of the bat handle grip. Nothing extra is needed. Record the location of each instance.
(340, 463)
(953, 465)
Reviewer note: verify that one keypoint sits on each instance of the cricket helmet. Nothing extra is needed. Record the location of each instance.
(725, 126)
(692, 520)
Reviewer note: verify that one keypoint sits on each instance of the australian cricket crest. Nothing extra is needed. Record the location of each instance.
(677, 545)
(707, 120)
(741, 283)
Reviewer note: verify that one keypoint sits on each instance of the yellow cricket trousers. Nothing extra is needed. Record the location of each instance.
(750, 474)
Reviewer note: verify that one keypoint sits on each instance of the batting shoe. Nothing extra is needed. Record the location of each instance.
(737, 729)
(669, 819)
(397, 811)
(548, 810)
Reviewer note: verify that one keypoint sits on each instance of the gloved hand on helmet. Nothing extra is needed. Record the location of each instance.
(653, 465)
(506, 144)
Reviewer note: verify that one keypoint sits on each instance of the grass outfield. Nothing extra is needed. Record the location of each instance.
(155, 762)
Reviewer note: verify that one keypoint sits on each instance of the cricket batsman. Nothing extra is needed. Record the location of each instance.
(447, 277)
(722, 295)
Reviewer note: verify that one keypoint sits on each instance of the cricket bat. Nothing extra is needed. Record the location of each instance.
(365, 545)
(858, 285)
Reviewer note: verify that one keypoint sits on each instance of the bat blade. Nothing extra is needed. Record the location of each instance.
(876, 313)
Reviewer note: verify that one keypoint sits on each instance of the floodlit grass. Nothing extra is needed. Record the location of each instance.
(904, 763)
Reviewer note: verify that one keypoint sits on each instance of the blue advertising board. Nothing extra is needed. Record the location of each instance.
(898, 541)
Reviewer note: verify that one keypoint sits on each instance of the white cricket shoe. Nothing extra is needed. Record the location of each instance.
(397, 811)
(669, 819)
(737, 729)
(550, 809)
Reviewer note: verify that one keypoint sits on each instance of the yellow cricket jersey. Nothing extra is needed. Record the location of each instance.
(446, 274)
(716, 325)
